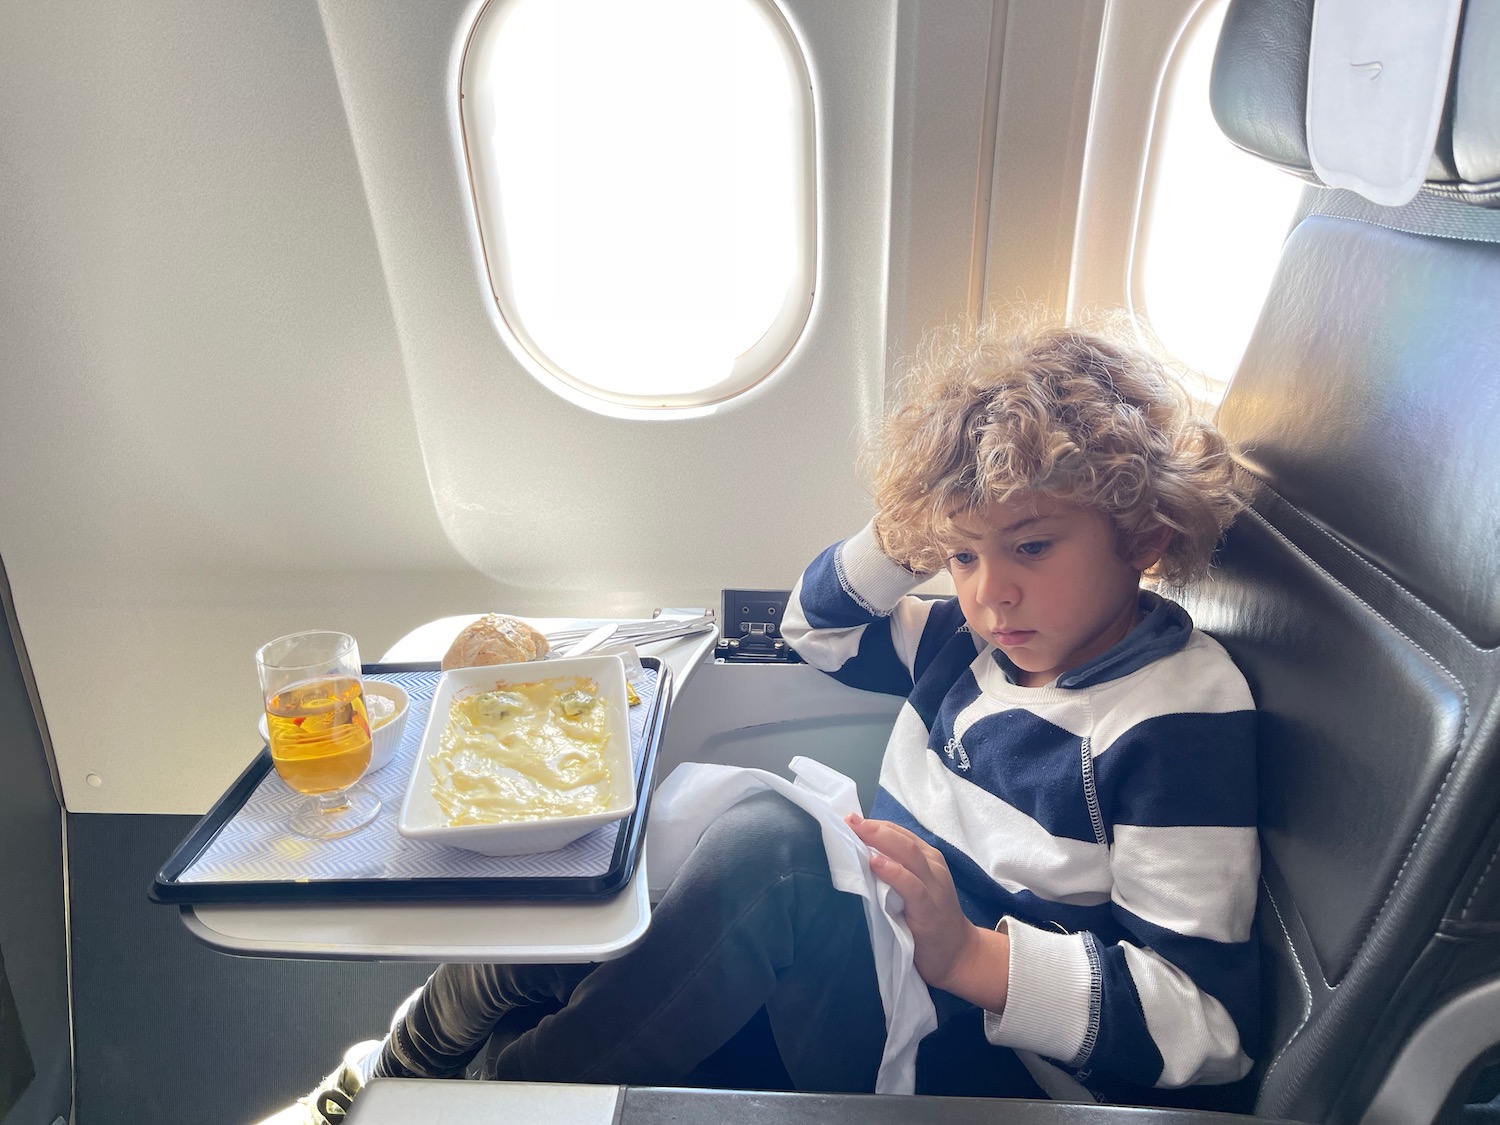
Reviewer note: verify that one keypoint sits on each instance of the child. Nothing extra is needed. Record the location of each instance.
(1066, 803)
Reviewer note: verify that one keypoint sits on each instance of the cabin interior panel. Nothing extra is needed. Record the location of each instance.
(170, 1030)
(35, 1044)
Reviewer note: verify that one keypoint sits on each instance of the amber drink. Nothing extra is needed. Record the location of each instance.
(319, 732)
(320, 735)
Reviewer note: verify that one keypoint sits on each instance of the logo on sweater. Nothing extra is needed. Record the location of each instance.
(956, 752)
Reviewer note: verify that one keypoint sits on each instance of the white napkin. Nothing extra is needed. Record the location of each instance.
(696, 794)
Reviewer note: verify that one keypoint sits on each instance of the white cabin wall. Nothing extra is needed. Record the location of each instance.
(1047, 82)
(208, 213)
(191, 279)
(943, 130)
(581, 508)
(992, 113)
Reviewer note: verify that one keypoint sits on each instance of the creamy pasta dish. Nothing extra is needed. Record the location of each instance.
(524, 752)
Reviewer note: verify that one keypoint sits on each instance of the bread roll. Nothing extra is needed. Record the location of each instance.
(495, 639)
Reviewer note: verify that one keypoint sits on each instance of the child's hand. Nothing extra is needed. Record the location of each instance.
(951, 953)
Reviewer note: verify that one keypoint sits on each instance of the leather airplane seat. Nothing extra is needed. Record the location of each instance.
(1360, 594)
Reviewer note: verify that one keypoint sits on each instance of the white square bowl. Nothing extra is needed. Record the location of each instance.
(422, 818)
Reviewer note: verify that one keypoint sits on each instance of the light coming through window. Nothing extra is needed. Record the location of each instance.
(643, 177)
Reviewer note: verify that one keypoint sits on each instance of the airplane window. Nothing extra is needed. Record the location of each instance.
(1212, 220)
(643, 180)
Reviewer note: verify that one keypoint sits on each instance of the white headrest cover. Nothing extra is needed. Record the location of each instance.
(1377, 79)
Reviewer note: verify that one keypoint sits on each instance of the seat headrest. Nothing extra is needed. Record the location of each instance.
(1448, 77)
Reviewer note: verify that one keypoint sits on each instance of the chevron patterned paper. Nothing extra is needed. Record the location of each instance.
(255, 845)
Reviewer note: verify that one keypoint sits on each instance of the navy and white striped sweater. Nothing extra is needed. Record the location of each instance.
(1109, 817)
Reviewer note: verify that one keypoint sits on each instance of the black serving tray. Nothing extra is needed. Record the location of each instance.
(175, 885)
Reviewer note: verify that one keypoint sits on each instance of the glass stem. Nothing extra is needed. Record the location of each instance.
(337, 801)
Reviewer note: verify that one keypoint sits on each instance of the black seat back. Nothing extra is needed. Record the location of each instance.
(36, 1057)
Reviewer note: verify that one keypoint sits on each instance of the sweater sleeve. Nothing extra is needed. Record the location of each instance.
(1166, 992)
(850, 616)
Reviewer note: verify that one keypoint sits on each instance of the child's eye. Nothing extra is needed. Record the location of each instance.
(963, 558)
(1035, 548)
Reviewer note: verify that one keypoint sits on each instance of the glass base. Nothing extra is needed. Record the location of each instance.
(330, 815)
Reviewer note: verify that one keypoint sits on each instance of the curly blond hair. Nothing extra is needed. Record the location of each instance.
(1089, 417)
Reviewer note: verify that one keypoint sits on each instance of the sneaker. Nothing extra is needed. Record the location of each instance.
(329, 1102)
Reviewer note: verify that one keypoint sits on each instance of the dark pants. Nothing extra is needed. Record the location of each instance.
(751, 921)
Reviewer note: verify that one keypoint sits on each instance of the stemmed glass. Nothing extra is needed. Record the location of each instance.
(319, 732)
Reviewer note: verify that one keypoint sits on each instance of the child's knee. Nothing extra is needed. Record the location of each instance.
(763, 835)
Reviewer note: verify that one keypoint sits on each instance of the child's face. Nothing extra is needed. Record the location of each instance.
(1041, 579)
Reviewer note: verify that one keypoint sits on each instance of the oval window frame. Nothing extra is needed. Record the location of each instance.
(1214, 380)
(753, 366)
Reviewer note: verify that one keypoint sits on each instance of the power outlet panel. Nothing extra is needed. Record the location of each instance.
(752, 627)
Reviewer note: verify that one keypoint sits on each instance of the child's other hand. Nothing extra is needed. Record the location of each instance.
(951, 953)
